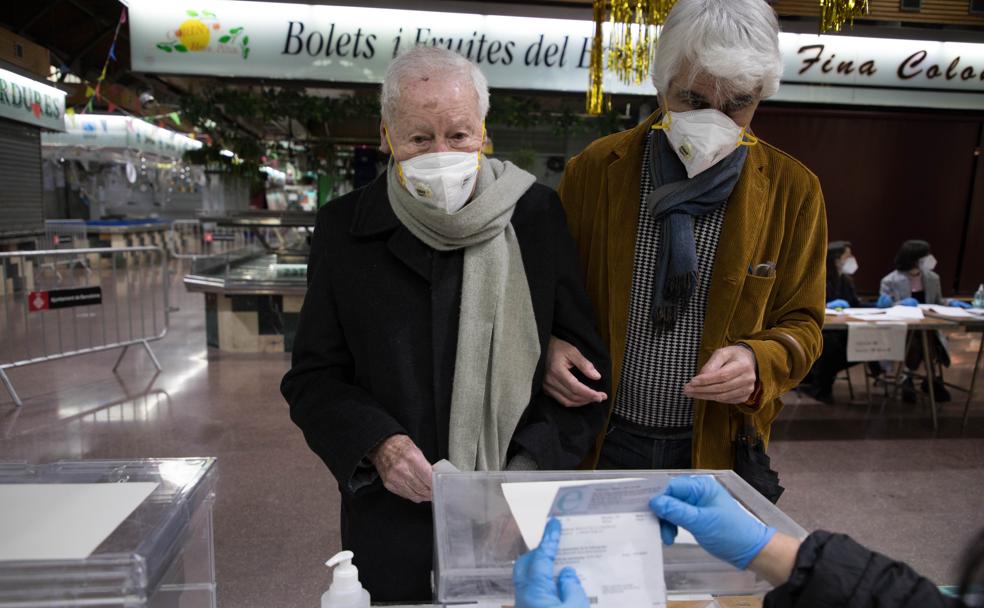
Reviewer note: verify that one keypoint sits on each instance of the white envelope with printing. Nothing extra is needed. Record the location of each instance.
(611, 539)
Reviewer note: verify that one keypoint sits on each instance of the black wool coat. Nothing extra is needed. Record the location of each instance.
(374, 357)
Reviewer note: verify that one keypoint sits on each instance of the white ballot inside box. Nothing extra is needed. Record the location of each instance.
(876, 341)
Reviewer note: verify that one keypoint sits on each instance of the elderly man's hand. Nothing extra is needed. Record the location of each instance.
(403, 468)
(561, 384)
(729, 376)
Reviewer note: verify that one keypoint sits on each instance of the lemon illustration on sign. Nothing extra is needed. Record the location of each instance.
(194, 35)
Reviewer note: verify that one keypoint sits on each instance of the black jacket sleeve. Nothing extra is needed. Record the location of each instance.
(842, 288)
(557, 437)
(341, 422)
(833, 570)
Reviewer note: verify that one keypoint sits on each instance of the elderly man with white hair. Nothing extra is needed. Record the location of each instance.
(703, 251)
(433, 293)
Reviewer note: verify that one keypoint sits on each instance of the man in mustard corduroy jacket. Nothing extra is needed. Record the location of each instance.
(702, 248)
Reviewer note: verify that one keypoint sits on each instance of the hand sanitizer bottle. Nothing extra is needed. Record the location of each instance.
(346, 591)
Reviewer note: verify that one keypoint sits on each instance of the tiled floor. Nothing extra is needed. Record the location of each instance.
(880, 474)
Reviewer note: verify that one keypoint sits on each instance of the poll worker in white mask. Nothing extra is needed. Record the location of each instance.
(703, 252)
(841, 294)
(913, 282)
(433, 292)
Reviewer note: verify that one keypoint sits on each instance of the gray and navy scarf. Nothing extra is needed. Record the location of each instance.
(675, 201)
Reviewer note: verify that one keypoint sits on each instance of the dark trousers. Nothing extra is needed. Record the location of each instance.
(914, 355)
(833, 360)
(631, 446)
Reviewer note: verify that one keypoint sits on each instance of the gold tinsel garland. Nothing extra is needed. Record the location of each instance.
(596, 69)
(631, 45)
(835, 13)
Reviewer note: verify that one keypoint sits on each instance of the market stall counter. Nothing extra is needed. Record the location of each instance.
(253, 295)
(150, 232)
(122, 233)
(138, 534)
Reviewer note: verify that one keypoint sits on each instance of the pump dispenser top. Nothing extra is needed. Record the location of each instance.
(346, 591)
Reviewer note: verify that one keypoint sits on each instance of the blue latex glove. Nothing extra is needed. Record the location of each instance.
(884, 301)
(534, 580)
(960, 304)
(909, 302)
(838, 304)
(706, 510)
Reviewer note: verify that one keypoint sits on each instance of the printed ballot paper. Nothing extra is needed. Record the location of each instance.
(609, 535)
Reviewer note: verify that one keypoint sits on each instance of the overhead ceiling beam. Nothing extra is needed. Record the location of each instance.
(77, 60)
(45, 7)
(101, 19)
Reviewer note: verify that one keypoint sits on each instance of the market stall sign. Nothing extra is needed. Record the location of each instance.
(63, 298)
(120, 132)
(31, 102)
(354, 45)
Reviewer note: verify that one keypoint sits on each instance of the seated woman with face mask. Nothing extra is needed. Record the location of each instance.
(914, 282)
(432, 294)
(841, 266)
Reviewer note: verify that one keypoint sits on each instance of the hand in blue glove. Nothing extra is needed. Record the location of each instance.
(838, 304)
(909, 302)
(960, 304)
(884, 301)
(702, 506)
(534, 580)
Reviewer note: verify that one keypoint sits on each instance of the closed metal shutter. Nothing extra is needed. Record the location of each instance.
(21, 204)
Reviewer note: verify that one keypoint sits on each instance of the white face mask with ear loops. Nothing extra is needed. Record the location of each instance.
(443, 180)
(927, 264)
(850, 266)
(703, 138)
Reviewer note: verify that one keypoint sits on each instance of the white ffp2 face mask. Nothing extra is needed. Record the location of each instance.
(850, 266)
(927, 264)
(443, 180)
(703, 138)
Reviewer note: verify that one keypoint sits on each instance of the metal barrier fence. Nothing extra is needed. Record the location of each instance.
(120, 300)
(193, 239)
(62, 235)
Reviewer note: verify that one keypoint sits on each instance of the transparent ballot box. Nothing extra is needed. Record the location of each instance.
(477, 539)
(160, 555)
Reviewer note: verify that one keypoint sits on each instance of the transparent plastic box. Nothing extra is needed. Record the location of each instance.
(161, 556)
(477, 539)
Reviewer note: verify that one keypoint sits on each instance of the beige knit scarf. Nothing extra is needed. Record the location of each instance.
(498, 346)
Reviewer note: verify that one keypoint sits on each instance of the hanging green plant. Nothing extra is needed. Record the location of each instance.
(524, 158)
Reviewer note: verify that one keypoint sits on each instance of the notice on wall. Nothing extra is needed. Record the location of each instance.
(876, 341)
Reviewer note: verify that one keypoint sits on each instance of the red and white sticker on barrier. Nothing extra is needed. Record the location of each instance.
(63, 298)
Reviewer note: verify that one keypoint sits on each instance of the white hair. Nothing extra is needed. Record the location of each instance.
(423, 62)
(734, 41)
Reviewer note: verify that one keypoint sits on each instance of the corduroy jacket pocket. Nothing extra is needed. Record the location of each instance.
(750, 311)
